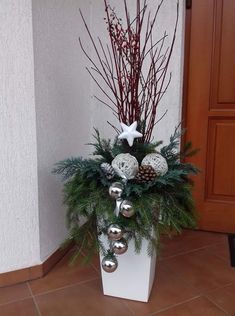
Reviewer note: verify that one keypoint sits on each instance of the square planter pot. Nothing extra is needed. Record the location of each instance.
(134, 277)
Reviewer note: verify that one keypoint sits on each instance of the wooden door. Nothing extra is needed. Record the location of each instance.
(210, 110)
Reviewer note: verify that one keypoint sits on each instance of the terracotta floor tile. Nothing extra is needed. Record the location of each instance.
(81, 300)
(197, 307)
(20, 308)
(184, 273)
(202, 270)
(224, 297)
(63, 275)
(168, 289)
(14, 293)
(220, 250)
(96, 263)
(188, 241)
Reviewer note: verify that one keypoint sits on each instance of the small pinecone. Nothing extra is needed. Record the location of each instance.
(107, 170)
(145, 174)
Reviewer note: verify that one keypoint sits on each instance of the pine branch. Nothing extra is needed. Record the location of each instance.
(102, 147)
(68, 168)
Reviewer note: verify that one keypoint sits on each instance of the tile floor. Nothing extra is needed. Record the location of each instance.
(193, 277)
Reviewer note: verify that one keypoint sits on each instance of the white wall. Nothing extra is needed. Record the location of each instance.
(62, 89)
(34, 137)
(19, 230)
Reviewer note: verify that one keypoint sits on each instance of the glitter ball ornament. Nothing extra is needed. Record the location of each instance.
(119, 246)
(126, 166)
(115, 232)
(157, 161)
(109, 264)
(107, 170)
(126, 208)
(116, 189)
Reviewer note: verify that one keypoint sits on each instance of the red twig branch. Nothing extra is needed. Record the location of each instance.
(133, 68)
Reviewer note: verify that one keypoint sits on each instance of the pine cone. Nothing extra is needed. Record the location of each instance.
(107, 170)
(145, 174)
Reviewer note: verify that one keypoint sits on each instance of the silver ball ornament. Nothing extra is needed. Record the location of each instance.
(109, 264)
(115, 232)
(126, 208)
(120, 246)
(116, 189)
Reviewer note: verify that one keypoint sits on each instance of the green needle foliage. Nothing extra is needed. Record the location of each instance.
(164, 205)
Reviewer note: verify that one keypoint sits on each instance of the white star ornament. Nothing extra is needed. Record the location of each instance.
(129, 133)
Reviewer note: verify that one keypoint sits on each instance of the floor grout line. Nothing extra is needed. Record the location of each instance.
(188, 252)
(174, 305)
(217, 305)
(34, 300)
(66, 287)
(128, 307)
(16, 300)
(204, 291)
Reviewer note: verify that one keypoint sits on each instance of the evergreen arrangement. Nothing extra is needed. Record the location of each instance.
(163, 205)
(133, 188)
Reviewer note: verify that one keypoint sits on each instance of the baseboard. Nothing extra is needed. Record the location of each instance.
(35, 272)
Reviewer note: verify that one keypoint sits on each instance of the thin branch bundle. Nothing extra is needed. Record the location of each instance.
(133, 69)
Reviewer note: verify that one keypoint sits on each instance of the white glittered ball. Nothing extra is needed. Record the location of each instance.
(157, 161)
(126, 166)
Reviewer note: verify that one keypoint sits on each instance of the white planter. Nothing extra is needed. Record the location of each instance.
(134, 277)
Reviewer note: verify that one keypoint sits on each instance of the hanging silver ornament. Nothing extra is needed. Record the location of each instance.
(107, 170)
(109, 264)
(117, 207)
(116, 189)
(157, 161)
(126, 166)
(119, 246)
(115, 232)
(126, 208)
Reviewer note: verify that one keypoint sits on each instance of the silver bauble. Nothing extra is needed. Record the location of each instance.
(157, 161)
(119, 246)
(116, 189)
(109, 264)
(115, 232)
(126, 208)
(126, 166)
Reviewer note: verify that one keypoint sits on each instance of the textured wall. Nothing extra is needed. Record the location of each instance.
(19, 231)
(62, 89)
(172, 100)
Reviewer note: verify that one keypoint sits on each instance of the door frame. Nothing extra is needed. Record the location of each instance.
(187, 36)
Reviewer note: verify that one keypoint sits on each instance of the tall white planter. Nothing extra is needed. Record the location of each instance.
(134, 276)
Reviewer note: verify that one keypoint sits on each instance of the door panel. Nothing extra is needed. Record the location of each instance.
(223, 61)
(221, 183)
(210, 111)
